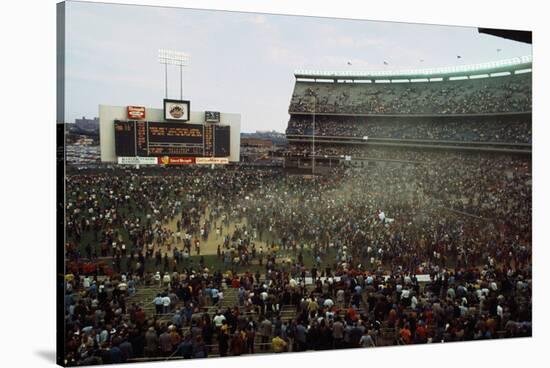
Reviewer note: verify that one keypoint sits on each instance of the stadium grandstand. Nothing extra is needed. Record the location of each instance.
(372, 115)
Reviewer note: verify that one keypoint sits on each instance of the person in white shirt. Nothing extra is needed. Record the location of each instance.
(166, 301)
(158, 302)
(218, 320)
(215, 295)
(414, 301)
(328, 303)
(122, 287)
(166, 280)
(500, 311)
(157, 278)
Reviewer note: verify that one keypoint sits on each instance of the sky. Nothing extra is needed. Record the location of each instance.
(242, 62)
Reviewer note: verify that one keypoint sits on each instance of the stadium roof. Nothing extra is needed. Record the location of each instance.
(507, 65)
(520, 36)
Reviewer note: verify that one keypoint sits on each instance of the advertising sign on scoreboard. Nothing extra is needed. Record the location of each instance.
(171, 160)
(211, 160)
(177, 110)
(137, 160)
(136, 112)
(212, 116)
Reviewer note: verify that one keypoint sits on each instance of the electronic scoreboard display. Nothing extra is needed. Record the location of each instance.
(147, 138)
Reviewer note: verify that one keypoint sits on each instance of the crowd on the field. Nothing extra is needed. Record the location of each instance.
(464, 219)
(126, 213)
(466, 129)
(472, 96)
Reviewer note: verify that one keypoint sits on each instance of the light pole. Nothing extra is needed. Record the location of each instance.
(173, 57)
(313, 137)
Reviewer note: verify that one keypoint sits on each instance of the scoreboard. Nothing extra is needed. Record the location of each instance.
(147, 138)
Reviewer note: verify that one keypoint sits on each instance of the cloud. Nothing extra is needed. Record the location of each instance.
(259, 19)
(282, 55)
(346, 41)
(128, 80)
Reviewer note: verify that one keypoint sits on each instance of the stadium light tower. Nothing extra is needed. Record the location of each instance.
(173, 57)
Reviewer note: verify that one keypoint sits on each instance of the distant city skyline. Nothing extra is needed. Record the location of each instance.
(243, 62)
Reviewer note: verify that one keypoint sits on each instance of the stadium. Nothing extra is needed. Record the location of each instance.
(400, 213)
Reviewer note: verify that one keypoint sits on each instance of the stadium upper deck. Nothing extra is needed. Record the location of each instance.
(490, 88)
(478, 107)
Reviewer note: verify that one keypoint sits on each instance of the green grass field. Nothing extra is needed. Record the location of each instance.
(213, 263)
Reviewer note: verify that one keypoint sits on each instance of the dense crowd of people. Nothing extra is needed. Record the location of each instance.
(344, 255)
(417, 246)
(356, 309)
(338, 151)
(472, 96)
(124, 212)
(516, 130)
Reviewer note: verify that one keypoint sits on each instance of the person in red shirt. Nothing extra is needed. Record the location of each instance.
(352, 314)
(139, 317)
(405, 334)
(429, 316)
(237, 343)
(421, 333)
